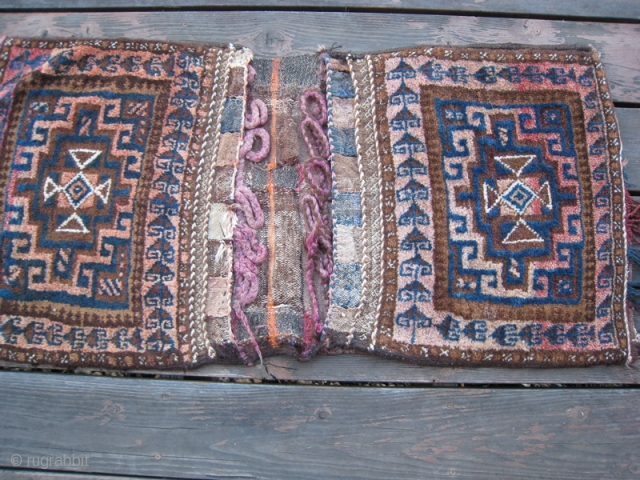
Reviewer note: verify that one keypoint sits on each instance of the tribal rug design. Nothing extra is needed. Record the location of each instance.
(168, 205)
(499, 200)
(105, 145)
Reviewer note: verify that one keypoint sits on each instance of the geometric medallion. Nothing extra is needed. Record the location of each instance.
(494, 222)
(77, 160)
(106, 164)
(510, 235)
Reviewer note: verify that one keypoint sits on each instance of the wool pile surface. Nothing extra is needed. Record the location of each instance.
(168, 205)
(106, 169)
(480, 217)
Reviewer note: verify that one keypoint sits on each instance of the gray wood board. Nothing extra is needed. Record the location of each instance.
(288, 33)
(209, 430)
(47, 475)
(367, 369)
(354, 368)
(612, 9)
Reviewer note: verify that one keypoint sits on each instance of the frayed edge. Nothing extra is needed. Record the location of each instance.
(632, 236)
(632, 219)
(241, 58)
(322, 49)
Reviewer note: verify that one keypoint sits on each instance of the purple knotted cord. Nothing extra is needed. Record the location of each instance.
(317, 174)
(248, 252)
(257, 116)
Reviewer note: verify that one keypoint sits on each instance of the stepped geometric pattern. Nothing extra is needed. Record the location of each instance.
(447, 205)
(98, 140)
(502, 207)
(71, 203)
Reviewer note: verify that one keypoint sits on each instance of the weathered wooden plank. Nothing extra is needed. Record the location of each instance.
(46, 475)
(202, 430)
(286, 33)
(366, 369)
(612, 9)
(353, 368)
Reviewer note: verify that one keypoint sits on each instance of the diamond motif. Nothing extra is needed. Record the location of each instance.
(519, 196)
(77, 190)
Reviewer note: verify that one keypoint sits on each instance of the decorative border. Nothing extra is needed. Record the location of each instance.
(382, 341)
(192, 343)
(199, 211)
(370, 178)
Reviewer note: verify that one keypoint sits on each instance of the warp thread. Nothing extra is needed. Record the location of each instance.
(315, 207)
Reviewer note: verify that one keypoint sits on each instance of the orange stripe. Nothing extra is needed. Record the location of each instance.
(272, 326)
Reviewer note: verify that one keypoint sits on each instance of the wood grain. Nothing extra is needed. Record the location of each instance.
(359, 369)
(46, 475)
(367, 369)
(612, 9)
(204, 430)
(287, 33)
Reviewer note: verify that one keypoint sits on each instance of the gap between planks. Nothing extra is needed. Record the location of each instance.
(613, 10)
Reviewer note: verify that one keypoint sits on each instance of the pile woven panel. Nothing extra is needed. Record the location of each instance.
(168, 205)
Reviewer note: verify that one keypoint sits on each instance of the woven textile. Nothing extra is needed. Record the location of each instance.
(273, 308)
(169, 205)
(487, 225)
(107, 168)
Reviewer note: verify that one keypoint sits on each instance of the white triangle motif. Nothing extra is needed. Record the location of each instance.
(488, 203)
(84, 156)
(103, 190)
(73, 224)
(515, 163)
(532, 235)
(544, 194)
(50, 188)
